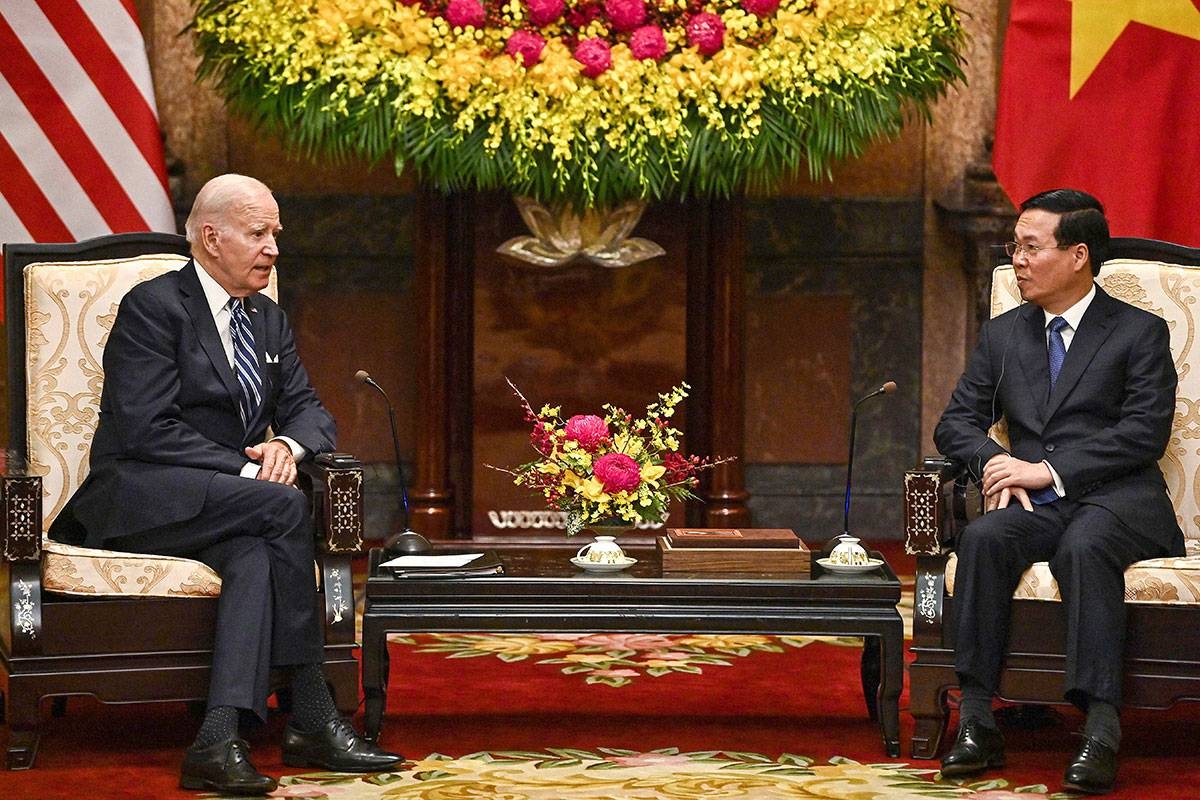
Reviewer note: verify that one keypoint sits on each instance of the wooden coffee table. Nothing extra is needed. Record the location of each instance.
(542, 592)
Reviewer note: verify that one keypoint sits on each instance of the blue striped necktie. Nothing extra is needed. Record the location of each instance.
(245, 361)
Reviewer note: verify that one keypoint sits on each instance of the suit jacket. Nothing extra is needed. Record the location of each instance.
(169, 418)
(1104, 426)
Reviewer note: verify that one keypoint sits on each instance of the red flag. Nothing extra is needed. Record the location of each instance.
(1104, 96)
(80, 150)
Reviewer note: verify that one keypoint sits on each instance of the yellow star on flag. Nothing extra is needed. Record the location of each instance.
(1096, 24)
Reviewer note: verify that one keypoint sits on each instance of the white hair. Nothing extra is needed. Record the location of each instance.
(215, 199)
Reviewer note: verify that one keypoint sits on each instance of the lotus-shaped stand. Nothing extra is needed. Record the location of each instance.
(561, 235)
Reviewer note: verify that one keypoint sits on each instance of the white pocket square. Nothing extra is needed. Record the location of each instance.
(272, 359)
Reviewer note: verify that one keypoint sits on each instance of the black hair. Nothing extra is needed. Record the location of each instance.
(1081, 221)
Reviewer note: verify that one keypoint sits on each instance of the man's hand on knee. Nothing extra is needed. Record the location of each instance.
(275, 460)
(1006, 479)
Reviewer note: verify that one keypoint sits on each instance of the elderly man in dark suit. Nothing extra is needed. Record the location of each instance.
(1086, 384)
(205, 411)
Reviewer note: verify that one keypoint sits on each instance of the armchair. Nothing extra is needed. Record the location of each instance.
(122, 627)
(1162, 651)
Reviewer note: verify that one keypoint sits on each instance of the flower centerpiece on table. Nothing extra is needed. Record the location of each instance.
(588, 103)
(611, 470)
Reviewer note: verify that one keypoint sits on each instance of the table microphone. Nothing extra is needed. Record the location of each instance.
(886, 388)
(406, 541)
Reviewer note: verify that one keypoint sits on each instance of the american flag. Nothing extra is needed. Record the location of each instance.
(80, 150)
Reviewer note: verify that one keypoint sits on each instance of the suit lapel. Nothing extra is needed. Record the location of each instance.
(1094, 328)
(1031, 346)
(196, 305)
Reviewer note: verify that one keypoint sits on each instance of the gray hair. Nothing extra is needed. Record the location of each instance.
(215, 198)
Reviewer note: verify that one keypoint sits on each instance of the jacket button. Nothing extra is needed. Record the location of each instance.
(1050, 448)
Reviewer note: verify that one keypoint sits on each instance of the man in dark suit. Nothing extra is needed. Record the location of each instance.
(205, 411)
(1086, 384)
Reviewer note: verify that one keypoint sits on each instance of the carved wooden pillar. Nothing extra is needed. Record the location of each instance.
(715, 363)
(441, 493)
(985, 218)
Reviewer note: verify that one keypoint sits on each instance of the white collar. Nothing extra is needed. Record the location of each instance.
(217, 297)
(1074, 314)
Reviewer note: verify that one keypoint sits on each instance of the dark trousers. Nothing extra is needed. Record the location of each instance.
(258, 537)
(1088, 549)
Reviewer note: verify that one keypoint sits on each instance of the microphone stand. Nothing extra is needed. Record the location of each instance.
(886, 388)
(406, 541)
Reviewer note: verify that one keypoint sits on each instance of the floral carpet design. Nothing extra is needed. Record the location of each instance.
(617, 659)
(612, 659)
(567, 774)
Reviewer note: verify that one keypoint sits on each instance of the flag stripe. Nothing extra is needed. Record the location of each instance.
(51, 175)
(25, 204)
(37, 84)
(109, 76)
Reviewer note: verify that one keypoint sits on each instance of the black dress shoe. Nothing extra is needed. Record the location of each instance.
(224, 767)
(335, 746)
(976, 747)
(1094, 769)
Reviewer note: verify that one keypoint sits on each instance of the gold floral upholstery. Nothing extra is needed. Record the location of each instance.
(69, 310)
(1172, 292)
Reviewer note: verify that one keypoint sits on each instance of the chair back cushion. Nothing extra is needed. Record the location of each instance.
(1172, 292)
(70, 308)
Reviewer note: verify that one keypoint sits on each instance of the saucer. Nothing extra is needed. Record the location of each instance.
(598, 566)
(871, 564)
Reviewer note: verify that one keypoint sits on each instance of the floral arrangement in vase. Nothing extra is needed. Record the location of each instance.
(587, 103)
(610, 470)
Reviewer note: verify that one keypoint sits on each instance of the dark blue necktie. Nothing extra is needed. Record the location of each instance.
(1056, 350)
(245, 361)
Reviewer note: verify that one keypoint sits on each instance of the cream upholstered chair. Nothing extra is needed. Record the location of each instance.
(144, 631)
(1162, 657)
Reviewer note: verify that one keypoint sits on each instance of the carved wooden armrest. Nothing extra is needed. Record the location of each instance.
(334, 482)
(934, 506)
(21, 505)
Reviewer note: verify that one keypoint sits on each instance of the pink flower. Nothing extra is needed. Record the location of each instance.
(648, 42)
(587, 429)
(617, 471)
(627, 641)
(625, 15)
(465, 13)
(527, 46)
(706, 32)
(543, 12)
(761, 8)
(596, 57)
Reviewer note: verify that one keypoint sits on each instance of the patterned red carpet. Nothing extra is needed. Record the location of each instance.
(592, 717)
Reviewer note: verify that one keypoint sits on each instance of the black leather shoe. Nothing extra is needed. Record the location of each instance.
(224, 767)
(1094, 769)
(335, 746)
(976, 747)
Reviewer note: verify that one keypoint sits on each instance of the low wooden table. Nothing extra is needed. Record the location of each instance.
(542, 592)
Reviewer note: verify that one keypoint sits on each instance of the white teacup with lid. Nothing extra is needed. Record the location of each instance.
(602, 550)
(848, 552)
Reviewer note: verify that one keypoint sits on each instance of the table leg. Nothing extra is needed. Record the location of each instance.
(891, 651)
(375, 663)
(870, 675)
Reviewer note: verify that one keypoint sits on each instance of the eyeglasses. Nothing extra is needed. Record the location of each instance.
(1031, 250)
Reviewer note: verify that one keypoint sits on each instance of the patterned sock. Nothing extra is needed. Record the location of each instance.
(976, 705)
(312, 705)
(1103, 723)
(220, 725)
